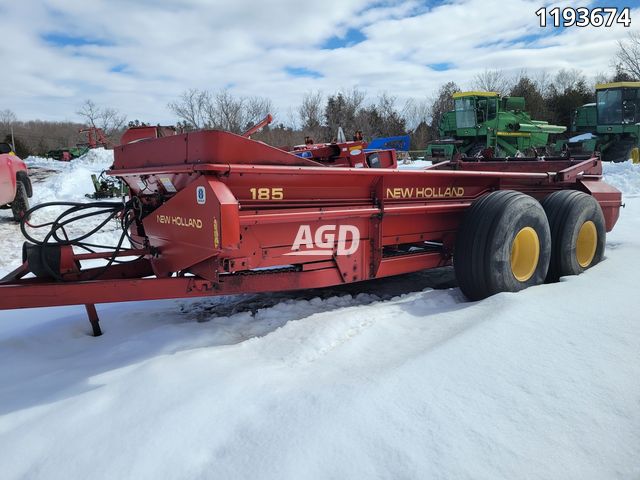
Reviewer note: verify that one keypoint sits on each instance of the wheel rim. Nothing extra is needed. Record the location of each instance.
(635, 155)
(525, 252)
(586, 244)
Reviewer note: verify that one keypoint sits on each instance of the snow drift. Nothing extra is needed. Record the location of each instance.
(385, 379)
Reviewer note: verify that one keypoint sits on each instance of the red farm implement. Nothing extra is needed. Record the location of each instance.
(214, 213)
(95, 137)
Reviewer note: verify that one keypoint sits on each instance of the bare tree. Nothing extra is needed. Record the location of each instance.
(600, 77)
(256, 108)
(310, 111)
(111, 121)
(566, 80)
(191, 107)
(108, 119)
(628, 55)
(292, 121)
(90, 112)
(221, 109)
(416, 112)
(387, 105)
(355, 99)
(227, 112)
(492, 81)
(7, 117)
(542, 81)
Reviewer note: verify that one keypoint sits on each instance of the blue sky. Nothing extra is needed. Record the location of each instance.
(138, 56)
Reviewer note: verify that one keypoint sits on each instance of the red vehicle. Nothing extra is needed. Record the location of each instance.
(214, 213)
(15, 186)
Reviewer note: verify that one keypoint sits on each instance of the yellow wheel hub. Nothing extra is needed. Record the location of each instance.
(525, 252)
(586, 244)
(635, 155)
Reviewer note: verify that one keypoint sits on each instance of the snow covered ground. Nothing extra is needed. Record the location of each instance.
(389, 379)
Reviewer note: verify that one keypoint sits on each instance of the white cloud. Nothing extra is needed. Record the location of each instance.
(164, 47)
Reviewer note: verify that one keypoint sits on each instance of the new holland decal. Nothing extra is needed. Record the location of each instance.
(424, 192)
(178, 221)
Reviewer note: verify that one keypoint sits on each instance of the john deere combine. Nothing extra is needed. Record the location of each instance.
(484, 124)
(610, 126)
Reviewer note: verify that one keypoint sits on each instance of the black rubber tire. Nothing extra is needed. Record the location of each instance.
(482, 256)
(620, 151)
(567, 211)
(20, 204)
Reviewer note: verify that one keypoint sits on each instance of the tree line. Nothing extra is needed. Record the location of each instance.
(37, 137)
(550, 97)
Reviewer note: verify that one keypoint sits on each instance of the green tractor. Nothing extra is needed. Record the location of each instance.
(67, 154)
(485, 125)
(610, 126)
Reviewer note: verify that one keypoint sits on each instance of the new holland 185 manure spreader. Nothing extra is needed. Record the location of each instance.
(214, 213)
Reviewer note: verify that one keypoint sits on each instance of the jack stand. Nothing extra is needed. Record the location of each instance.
(93, 319)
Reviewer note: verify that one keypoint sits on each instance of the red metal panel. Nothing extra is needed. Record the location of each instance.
(225, 216)
(216, 146)
(610, 200)
(208, 146)
(263, 245)
(151, 153)
(410, 263)
(185, 231)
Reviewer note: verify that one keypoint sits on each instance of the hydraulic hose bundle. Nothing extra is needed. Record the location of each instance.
(43, 254)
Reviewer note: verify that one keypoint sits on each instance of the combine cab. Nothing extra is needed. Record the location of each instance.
(485, 125)
(610, 126)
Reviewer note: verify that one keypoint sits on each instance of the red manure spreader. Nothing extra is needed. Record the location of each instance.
(214, 213)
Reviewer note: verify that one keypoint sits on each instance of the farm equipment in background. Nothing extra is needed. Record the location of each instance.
(95, 138)
(353, 154)
(258, 126)
(106, 186)
(486, 125)
(214, 213)
(141, 132)
(611, 126)
(67, 154)
(399, 143)
(341, 153)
